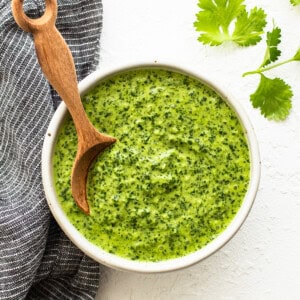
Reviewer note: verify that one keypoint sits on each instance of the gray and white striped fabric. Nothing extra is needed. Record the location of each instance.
(37, 261)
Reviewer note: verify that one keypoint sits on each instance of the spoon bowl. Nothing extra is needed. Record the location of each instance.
(84, 157)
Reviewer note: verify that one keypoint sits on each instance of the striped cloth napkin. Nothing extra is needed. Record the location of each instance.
(37, 261)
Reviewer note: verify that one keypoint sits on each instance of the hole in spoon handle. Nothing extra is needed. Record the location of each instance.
(33, 25)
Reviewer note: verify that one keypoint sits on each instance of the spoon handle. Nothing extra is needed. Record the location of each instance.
(55, 59)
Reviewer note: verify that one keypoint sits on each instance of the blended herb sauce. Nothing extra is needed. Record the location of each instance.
(175, 178)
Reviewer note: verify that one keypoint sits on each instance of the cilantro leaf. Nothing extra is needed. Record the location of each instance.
(249, 27)
(216, 17)
(214, 20)
(295, 2)
(273, 98)
(272, 52)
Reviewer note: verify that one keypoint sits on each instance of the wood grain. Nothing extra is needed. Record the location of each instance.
(57, 64)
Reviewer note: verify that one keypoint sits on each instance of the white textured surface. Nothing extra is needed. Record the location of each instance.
(263, 260)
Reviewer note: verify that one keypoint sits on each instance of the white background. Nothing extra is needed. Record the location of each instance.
(263, 260)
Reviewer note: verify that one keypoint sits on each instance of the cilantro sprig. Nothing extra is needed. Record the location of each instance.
(273, 96)
(216, 17)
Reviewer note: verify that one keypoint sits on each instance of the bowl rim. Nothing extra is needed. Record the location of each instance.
(118, 262)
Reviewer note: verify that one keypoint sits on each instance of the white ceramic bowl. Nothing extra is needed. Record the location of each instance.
(117, 262)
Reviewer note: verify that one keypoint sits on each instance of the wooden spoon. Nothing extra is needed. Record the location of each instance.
(58, 66)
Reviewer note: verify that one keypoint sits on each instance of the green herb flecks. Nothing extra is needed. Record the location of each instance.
(177, 175)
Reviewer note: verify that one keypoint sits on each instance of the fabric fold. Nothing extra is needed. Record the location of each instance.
(37, 261)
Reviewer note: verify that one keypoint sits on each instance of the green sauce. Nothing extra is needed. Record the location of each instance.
(176, 176)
